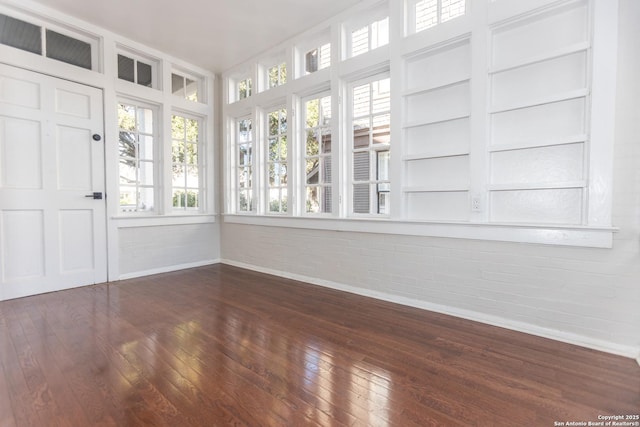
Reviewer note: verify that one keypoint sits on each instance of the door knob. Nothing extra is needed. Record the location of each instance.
(95, 196)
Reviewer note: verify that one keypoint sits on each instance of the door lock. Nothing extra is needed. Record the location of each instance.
(95, 196)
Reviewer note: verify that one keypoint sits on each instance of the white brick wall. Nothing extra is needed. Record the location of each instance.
(147, 250)
(581, 295)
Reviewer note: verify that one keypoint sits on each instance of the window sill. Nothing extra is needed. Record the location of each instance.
(162, 220)
(563, 235)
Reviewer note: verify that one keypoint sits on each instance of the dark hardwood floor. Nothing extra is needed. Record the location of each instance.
(224, 346)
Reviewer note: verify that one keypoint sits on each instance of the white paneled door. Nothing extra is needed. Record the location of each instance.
(52, 206)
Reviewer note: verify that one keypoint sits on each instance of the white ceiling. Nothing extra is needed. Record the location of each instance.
(213, 34)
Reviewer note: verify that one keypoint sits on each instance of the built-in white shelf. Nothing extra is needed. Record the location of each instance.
(417, 123)
(537, 186)
(526, 144)
(434, 155)
(426, 89)
(448, 188)
(564, 51)
(567, 96)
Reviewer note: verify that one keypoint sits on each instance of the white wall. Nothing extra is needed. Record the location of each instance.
(149, 250)
(579, 295)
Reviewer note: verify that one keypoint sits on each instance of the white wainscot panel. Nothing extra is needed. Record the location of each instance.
(442, 172)
(526, 85)
(20, 153)
(23, 244)
(73, 104)
(441, 67)
(555, 206)
(540, 123)
(440, 206)
(440, 104)
(76, 237)
(444, 137)
(19, 93)
(540, 35)
(539, 165)
(74, 158)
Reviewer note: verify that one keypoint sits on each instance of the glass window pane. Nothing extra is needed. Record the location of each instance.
(326, 170)
(311, 61)
(313, 201)
(145, 120)
(127, 144)
(192, 154)
(383, 165)
(312, 143)
(283, 121)
(426, 14)
(273, 75)
(145, 199)
(273, 149)
(362, 100)
(452, 9)
(244, 127)
(282, 153)
(273, 123)
(69, 50)
(179, 176)
(177, 84)
(360, 41)
(144, 74)
(381, 129)
(145, 147)
(380, 33)
(191, 89)
(361, 133)
(312, 171)
(177, 127)
(145, 174)
(361, 166)
(361, 198)
(179, 198)
(125, 68)
(381, 96)
(127, 198)
(325, 56)
(312, 113)
(192, 130)
(193, 199)
(326, 141)
(128, 171)
(20, 34)
(177, 152)
(325, 110)
(192, 176)
(326, 200)
(127, 117)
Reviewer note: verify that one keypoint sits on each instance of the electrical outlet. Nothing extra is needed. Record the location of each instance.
(475, 204)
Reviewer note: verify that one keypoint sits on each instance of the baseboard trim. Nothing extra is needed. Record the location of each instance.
(565, 337)
(168, 269)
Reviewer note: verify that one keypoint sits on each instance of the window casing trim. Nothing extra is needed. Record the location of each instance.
(559, 235)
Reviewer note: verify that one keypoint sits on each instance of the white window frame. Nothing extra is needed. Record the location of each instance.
(129, 53)
(302, 156)
(198, 79)
(375, 16)
(323, 44)
(266, 162)
(411, 15)
(373, 151)
(44, 24)
(202, 167)
(235, 165)
(156, 159)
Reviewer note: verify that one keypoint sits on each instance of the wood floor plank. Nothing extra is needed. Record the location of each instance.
(222, 346)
